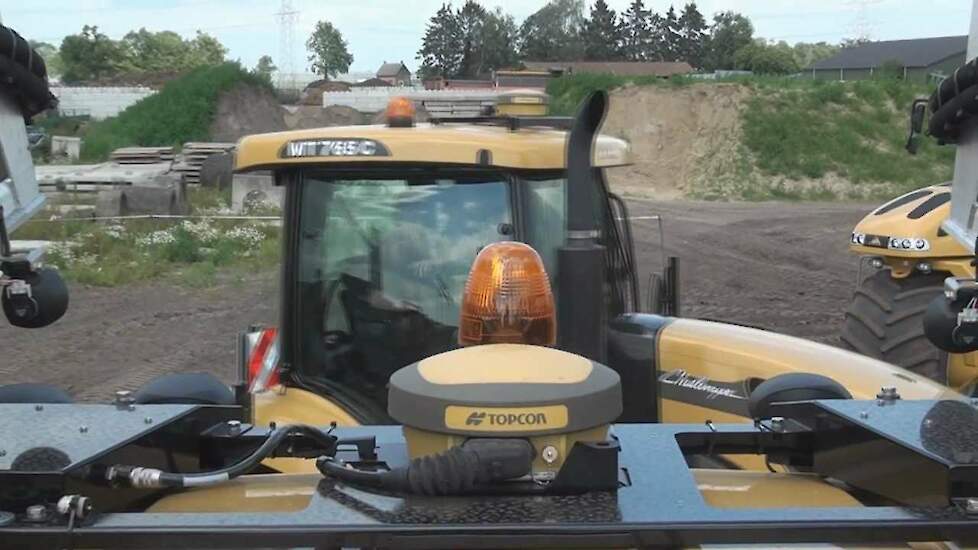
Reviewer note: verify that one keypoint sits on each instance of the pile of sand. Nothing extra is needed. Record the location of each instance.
(679, 135)
(245, 110)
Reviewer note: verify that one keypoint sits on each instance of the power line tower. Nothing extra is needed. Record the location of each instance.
(862, 26)
(288, 18)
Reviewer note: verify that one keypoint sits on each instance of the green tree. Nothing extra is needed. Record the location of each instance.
(328, 55)
(499, 39)
(147, 51)
(636, 32)
(470, 20)
(602, 34)
(440, 53)
(658, 48)
(730, 32)
(205, 50)
(90, 55)
(264, 68)
(52, 59)
(672, 43)
(692, 31)
(807, 54)
(763, 58)
(553, 32)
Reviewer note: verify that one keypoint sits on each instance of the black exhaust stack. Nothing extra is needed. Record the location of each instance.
(582, 324)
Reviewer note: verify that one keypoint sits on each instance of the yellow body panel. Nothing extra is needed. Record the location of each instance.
(531, 149)
(736, 355)
(896, 223)
(296, 406)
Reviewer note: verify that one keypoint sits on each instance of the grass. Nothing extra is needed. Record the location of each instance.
(803, 139)
(196, 253)
(855, 131)
(182, 111)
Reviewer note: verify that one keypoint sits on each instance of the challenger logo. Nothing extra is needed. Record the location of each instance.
(496, 419)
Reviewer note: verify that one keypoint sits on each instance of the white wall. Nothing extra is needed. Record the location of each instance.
(371, 100)
(98, 102)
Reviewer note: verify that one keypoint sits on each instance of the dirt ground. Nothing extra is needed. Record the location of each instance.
(779, 266)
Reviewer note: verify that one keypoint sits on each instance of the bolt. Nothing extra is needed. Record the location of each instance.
(38, 407)
(123, 396)
(864, 415)
(83, 429)
(549, 454)
(147, 420)
(777, 423)
(888, 394)
(37, 512)
(234, 427)
(971, 506)
(131, 407)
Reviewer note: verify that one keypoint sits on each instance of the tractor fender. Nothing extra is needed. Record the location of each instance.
(707, 370)
(908, 230)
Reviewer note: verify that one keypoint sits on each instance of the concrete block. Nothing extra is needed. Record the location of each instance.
(139, 200)
(249, 190)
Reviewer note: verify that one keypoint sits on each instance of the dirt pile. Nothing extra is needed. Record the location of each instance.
(246, 110)
(315, 116)
(679, 135)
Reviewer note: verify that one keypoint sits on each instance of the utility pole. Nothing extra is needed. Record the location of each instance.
(288, 18)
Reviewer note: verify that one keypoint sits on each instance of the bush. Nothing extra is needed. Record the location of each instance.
(182, 111)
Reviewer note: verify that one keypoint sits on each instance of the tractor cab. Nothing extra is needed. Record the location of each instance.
(383, 223)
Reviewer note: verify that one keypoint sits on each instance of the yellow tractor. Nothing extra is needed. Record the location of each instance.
(469, 283)
(383, 222)
(914, 244)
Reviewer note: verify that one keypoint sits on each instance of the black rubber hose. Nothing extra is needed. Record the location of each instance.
(945, 122)
(151, 477)
(475, 465)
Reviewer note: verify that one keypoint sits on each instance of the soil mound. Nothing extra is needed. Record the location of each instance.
(245, 110)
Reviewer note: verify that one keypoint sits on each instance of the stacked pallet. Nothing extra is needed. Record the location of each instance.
(142, 155)
(194, 155)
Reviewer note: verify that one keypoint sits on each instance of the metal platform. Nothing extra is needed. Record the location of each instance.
(659, 505)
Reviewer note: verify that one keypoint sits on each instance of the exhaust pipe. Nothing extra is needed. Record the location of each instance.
(582, 317)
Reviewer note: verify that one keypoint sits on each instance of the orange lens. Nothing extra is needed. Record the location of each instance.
(400, 112)
(508, 299)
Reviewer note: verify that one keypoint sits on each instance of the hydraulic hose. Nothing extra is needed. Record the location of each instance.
(475, 465)
(141, 477)
(954, 101)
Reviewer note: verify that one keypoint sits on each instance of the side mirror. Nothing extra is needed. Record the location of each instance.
(917, 113)
(31, 297)
(664, 290)
(36, 300)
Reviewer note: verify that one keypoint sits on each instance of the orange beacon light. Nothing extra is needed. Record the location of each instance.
(508, 299)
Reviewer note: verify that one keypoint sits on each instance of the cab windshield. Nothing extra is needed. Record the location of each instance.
(382, 266)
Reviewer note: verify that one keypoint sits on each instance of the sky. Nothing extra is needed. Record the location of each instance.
(391, 30)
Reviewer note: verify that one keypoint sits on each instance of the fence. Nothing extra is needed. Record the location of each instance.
(97, 102)
(371, 100)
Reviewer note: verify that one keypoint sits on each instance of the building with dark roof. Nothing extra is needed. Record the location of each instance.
(919, 59)
(663, 69)
(395, 74)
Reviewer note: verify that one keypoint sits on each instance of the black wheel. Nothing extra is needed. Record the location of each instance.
(885, 321)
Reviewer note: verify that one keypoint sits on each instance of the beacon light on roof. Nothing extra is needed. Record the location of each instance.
(400, 112)
(508, 298)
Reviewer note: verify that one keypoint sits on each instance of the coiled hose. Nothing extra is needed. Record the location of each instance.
(954, 101)
(141, 477)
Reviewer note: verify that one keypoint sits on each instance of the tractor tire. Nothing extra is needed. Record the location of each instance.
(885, 321)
